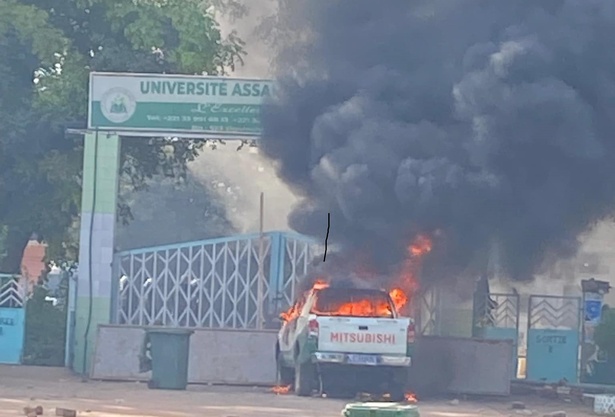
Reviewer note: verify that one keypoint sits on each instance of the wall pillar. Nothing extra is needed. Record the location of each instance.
(98, 210)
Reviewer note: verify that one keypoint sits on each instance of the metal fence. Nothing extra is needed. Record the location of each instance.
(554, 334)
(12, 292)
(427, 310)
(496, 310)
(554, 312)
(218, 283)
(12, 318)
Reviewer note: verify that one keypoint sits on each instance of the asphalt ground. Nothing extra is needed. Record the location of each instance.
(52, 388)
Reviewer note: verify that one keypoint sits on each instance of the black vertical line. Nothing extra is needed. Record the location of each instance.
(327, 237)
(86, 334)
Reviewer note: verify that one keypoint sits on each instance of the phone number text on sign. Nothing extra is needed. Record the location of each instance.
(167, 104)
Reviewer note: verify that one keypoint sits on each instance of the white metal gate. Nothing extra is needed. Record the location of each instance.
(214, 283)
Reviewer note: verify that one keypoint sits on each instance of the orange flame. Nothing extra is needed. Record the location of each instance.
(293, 312)
(399, 298)
(411, 398)
(320, 284)
(281, 389)
(406, 282)
(422, 245)
(402, 291)
(365, 308)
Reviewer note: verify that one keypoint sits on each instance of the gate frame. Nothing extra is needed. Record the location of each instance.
(494, 322)
(579, 330)
(101, 165)
(21, 291)
(427, 311)
(287, 256)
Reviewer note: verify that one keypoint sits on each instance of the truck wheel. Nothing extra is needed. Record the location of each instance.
(398, 384)
(304, 379)
(284, 373)
(397, 393)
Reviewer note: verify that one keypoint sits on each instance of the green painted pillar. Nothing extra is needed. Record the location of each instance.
(98, 210)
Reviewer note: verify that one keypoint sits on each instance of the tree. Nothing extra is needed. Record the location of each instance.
(45, 332)
(605, 333)
(27, 42)
(47, 49)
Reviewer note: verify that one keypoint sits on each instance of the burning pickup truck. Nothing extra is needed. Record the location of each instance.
(346, 339)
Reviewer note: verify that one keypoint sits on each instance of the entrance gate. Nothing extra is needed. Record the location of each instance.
(496, 317)
(553, 338)
(12, 319)
(427, 310)
(119, 108)
(211, 283)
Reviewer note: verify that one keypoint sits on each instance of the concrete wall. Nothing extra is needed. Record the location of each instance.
(461, 366)
(442, 364)
(216, 356)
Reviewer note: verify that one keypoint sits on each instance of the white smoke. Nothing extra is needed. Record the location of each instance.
(240, 176)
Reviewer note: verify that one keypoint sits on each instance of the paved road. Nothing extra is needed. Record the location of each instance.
(52, 387)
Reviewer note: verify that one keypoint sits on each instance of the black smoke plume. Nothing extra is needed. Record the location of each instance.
(490, 121)
(339, 271)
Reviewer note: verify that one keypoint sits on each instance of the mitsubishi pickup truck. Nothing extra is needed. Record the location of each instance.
(344, 337)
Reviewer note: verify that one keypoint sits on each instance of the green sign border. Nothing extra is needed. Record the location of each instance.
(94, 108)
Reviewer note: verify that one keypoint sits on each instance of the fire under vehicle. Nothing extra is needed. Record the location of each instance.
(345, 339)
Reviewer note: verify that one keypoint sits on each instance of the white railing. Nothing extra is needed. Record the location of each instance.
(12, 291)
(212, 283)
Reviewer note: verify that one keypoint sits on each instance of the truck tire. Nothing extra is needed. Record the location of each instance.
(397, 393)
(284, 373)
(398, 385)
(304, 379)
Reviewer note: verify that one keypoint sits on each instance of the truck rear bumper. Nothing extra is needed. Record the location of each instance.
(350, 359)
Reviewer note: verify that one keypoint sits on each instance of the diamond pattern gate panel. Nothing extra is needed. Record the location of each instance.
(293, 254)
(12, 319)
(213, 283)
(496, 317)
(427, 310)
(554, 324)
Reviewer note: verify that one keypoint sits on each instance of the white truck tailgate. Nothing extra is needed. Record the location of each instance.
(363, 335)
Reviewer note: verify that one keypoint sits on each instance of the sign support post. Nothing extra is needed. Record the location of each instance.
(142, 105)
(98, 212)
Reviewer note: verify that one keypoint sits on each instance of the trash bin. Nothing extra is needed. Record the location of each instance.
(170, 350)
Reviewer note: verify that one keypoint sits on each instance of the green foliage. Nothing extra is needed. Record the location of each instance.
(47, 49)
(605, 333)
(31, 25)
(45, 331)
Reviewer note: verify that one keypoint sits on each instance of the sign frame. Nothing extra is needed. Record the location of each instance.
(118, 128)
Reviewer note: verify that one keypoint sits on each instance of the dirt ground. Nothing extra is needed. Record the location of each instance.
(22, 386)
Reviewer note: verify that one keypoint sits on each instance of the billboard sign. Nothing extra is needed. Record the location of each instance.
(177, 105)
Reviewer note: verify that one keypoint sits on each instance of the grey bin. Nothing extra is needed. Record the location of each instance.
(170, 351)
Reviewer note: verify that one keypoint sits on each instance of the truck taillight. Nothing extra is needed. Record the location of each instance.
(411, 333)
(313, 327)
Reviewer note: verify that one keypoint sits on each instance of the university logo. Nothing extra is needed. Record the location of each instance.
(118, 105)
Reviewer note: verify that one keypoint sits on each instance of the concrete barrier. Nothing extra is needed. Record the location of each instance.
(217, 356)
(246, 357)
(457, 365)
